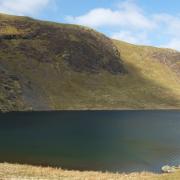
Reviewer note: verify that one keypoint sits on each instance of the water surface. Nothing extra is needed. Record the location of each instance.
(92, 140)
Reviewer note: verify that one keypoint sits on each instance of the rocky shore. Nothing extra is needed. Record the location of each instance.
(170, 169)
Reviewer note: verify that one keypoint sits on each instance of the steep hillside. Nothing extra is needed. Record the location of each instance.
(49, 66)
(154, 75)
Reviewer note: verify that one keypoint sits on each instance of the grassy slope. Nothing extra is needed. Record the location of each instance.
(153, 83)
(21, 172)
(39, 72)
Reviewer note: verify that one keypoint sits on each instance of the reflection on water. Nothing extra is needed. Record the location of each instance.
(92, 140)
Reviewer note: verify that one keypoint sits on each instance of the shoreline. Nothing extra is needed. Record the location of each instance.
(91, 110)
(22, 172)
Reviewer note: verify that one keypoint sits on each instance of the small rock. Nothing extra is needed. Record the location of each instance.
(169, 169)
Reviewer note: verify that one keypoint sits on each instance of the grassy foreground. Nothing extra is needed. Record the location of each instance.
(25, 172)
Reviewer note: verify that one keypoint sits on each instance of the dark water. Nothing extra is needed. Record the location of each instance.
(92, 140)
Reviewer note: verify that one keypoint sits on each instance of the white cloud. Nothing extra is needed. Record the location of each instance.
(169, 26)
(22, 7)
(126, 15)
(173, 44)
(130, 23)
(131, 37)
(169, 22)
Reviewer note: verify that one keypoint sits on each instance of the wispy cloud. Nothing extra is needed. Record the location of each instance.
(169, 26)
(131, 37)
(23, 7)
(173, 44)
(126, 15)
(135, 26)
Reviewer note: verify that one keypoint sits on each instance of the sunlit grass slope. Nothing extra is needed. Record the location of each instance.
(50, 66)
(153, 76)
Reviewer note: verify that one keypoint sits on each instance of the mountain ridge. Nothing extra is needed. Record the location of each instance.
(51, 66)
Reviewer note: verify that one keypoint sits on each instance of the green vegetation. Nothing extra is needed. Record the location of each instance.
(9, 30)
(151, 80)
(50, 66)
(21, 172)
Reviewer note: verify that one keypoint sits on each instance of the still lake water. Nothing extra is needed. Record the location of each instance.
(92, 140)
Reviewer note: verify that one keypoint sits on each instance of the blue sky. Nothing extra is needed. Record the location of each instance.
(153, 22)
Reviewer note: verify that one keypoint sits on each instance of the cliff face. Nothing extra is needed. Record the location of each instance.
(49, 66)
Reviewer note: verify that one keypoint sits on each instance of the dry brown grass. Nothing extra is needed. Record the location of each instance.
(26, 172)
